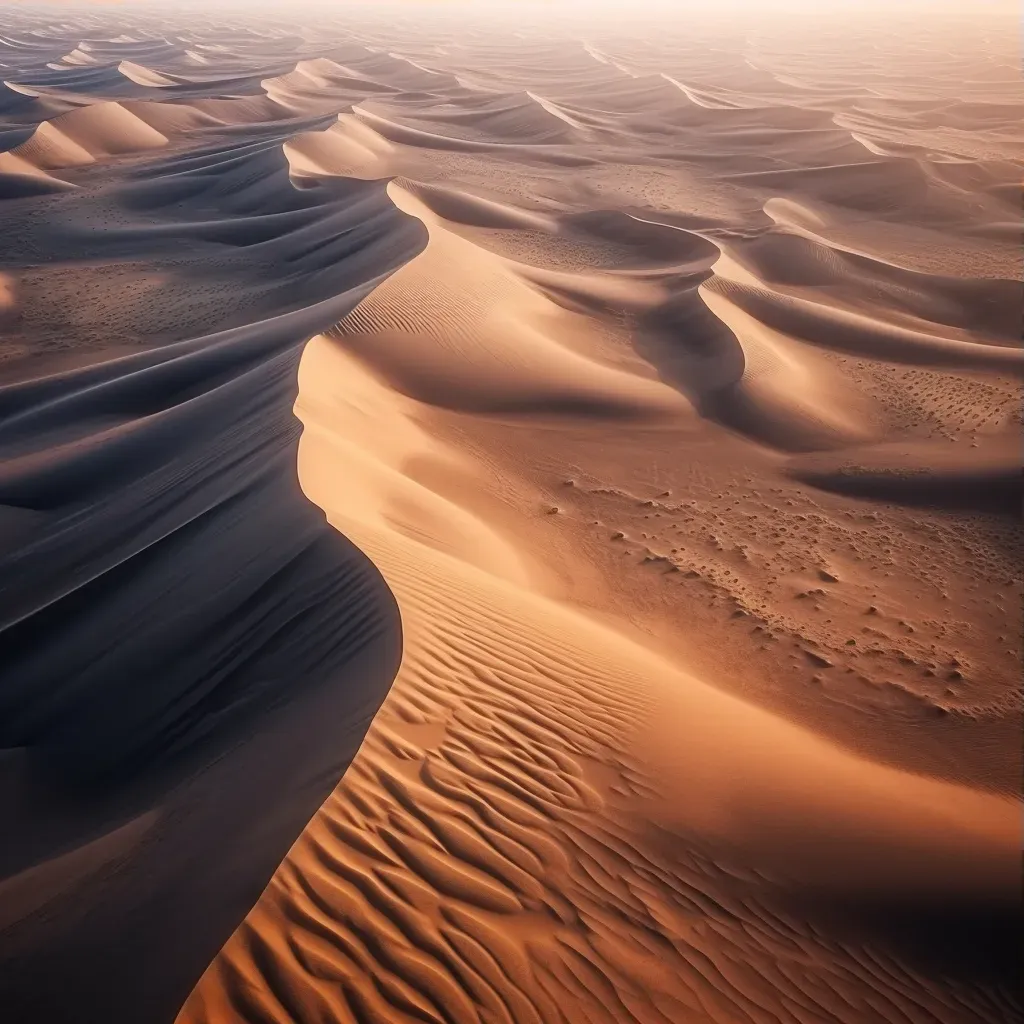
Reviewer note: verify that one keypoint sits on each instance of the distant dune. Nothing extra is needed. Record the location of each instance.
(510, 521)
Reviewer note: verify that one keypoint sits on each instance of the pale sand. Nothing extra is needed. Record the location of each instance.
(663, 400)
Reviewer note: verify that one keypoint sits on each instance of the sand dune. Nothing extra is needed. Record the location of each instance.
(320, 85)
(81, 137)
(104, 451)
(512, 118)
(509, 521)
(464, 853)
(348, 148)
(488, 342)
(926, 473)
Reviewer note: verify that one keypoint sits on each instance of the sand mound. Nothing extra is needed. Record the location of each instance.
(408, 135)
(80, 56)
(253, 110)
(457, 207)
(514, 118)
(141, 75)
(402, 73)
(95, 80)
(82, 136)
(645, 242)
(877, 188)
(858, 333)
(320, 85)
(170, 119)
(498, 337)
(937, 473)
(751, 378)
(346, 148)
(964, 309)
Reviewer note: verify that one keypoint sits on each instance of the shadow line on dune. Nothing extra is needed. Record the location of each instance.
(191, 653)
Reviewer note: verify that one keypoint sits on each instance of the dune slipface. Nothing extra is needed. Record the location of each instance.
(614, 420)
(191, 655)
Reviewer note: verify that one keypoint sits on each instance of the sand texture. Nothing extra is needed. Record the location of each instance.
(510, 520)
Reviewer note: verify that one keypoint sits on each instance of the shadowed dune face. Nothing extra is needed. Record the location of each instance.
(179, 623)
(629, 412)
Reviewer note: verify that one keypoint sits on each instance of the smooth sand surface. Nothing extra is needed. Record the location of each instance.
(598, 442)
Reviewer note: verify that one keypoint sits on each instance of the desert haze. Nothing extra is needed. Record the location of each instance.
(510, 517)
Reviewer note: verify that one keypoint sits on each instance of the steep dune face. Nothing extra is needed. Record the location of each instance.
(179, 623)
(617, 425)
